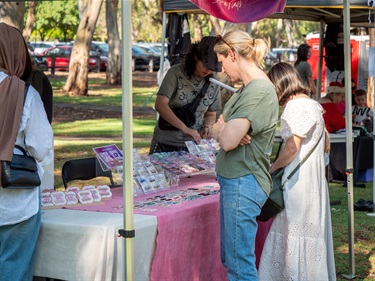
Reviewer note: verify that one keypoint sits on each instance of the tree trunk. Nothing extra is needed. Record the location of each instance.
(289, 32)
(216, 28)
(279, 40)
(12, 13)
(113, 75)
(77, 81)
(30, 20)
(296, 32)
(197, 27)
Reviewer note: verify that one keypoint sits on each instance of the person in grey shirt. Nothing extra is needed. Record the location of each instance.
(181, 85)
(304, 68)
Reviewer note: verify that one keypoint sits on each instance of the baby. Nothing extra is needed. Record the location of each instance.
(361, 111)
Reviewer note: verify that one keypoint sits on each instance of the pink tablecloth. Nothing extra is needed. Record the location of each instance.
(188, 242)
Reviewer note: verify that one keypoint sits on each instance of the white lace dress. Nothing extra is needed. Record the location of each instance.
(299, 245)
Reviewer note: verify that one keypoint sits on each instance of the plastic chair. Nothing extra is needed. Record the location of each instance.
(84, 169)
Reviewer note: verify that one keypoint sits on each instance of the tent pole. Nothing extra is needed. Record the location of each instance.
(320, 61)
(163, 33)
(372, 75)
(127, 140)
(373, 139)
(349, 137)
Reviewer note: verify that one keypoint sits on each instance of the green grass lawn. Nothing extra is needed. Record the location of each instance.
(95, 133)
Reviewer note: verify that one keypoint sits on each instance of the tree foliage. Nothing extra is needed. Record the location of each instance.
(56, 20)
(146, 21)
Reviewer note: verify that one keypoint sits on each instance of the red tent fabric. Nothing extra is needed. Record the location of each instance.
(241, 11)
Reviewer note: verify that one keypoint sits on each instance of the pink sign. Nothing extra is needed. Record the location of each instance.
(109, 156)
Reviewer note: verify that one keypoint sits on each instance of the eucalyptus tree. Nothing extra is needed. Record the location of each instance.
(113, 75)
(77, 81)
(30, 20)
(12, 13)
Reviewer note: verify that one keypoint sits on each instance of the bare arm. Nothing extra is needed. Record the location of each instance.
(209, 121)
(312, 86)
(287, 154)
(231, 134)
(161, 106)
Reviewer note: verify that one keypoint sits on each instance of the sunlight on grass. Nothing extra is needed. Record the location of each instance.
(109, 97)
(110, 127)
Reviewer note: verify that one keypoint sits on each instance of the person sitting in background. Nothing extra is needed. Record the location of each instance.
(361, 111)
(332, 116)
(304, 68)
(341, 105)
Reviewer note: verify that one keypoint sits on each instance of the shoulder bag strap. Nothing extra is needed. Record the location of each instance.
(303, 160)
(27, 84)
(194, 104)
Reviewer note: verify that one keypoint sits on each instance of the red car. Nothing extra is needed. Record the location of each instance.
(62, 58)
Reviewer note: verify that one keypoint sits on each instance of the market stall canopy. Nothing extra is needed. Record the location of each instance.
(330, 11)
(312, 10)
(238, 11)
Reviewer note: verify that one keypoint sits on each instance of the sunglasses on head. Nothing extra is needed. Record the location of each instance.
(220, 38)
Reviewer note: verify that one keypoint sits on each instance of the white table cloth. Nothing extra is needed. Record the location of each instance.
(82, 245)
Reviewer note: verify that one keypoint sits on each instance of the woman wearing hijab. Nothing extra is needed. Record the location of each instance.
(23, 121)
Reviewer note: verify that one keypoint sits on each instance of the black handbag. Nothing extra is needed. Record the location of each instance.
(275, 201)
(21, 172)
(185, 113)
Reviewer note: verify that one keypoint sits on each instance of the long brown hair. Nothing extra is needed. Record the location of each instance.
(287, 82)
(302, 53)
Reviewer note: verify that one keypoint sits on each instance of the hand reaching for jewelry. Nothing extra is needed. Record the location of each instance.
(206, 132)
(193, 134)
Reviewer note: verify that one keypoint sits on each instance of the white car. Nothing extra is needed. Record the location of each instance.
(40, 47)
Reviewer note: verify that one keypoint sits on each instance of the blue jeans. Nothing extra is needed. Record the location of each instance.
(241, 200)
(17, 249)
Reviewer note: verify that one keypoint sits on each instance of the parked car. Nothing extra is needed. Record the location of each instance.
(280, 54)
(151, 49)
(40, 47)
(40, 62)
(159, 47)
(62, 58)
(103, 49)
(100, 47)
(142, 60)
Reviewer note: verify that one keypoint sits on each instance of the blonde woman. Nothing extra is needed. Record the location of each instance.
(242, 167)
